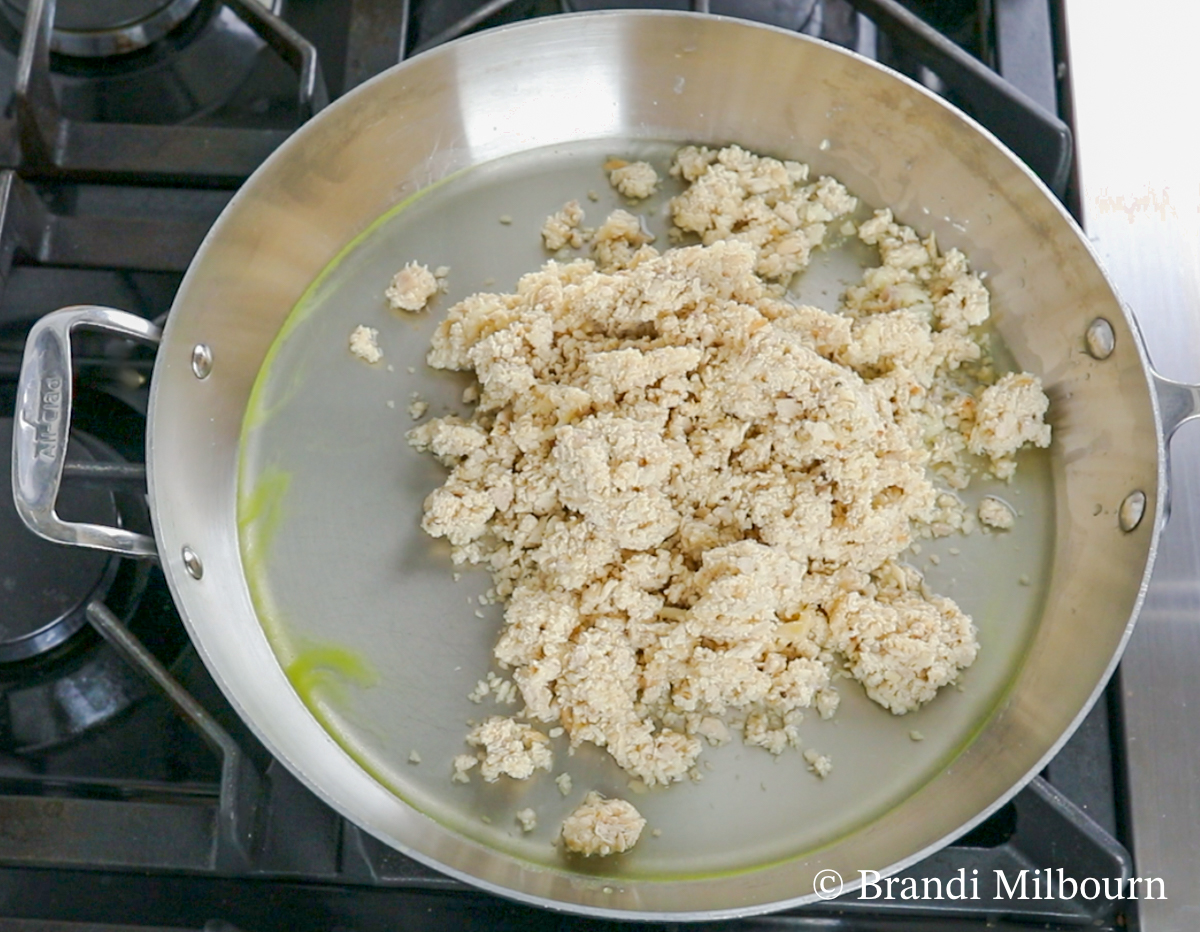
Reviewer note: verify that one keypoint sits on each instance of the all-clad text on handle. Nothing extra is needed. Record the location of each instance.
(43, 420)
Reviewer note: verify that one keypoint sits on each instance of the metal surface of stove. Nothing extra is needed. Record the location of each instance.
(138, 799)
(1140, 197)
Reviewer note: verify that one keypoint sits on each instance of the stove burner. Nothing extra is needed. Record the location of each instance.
(98, 28)
(45, 587)
(62, 704)
(58, 678)
(201, 63)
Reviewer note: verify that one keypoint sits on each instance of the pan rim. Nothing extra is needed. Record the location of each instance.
(178, 581)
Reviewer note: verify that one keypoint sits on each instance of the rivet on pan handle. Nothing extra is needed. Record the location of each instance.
(43, 419)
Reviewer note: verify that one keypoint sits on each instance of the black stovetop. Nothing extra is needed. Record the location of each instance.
(116, 795)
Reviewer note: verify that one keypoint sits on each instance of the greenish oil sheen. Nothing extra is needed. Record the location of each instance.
(319, 673)
(324, 669)
(260, 511)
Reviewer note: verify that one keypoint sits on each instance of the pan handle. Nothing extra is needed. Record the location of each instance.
(1178, 402)
(43, 419)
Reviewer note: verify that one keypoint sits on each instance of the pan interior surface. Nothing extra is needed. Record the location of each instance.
(383, 638)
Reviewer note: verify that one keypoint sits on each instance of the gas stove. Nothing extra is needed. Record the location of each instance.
(126, 781)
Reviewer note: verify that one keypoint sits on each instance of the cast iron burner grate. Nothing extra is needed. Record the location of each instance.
(171, 814)
(59, 681)
(144, 115)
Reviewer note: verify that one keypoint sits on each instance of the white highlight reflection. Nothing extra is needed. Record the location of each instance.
(505, 109)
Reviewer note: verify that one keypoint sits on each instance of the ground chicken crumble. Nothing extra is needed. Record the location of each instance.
(694, 495)
(734, 195)
(527, 818)
(510, 748)
(413, 286)
(602, 826)
(562, 229)
(995, 513)
(635, 180)
(364, 344)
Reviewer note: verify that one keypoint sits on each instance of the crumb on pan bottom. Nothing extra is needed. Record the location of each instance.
(364, 345)
(600, 827)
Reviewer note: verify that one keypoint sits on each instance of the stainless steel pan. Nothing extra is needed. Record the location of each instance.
(336, 627)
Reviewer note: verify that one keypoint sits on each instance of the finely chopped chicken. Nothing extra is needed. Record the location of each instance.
(561, 229)
(413, 286)
(995, 513)
(364, 344)
(694, 495)
(635, 180)
(510, 748)
(602, 826)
